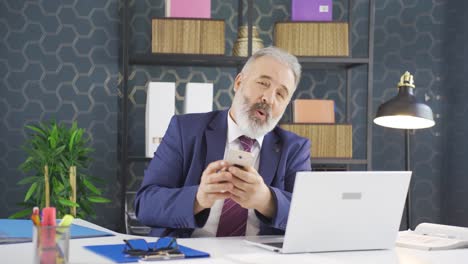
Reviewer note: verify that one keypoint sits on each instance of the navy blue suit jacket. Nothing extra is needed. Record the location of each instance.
(167, 195)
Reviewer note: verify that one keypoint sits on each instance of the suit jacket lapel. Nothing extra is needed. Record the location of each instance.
(269, 157)
(216, 138)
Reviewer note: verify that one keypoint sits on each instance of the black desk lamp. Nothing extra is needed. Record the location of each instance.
(404, 111)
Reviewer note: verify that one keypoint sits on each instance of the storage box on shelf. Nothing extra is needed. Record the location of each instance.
(328, 140)
(313, 111)
(160, 106)
(313, 38)
(189, 8)
(188, 36)
(311, 10)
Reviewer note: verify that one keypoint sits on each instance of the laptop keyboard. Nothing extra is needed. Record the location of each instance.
(275, 244)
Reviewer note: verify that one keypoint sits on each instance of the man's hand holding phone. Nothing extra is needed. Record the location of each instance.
(250, 191)
(216, 180)
(234, 178)
(215, 184)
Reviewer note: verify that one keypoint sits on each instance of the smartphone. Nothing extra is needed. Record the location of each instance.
(240, 158)
(150, 258)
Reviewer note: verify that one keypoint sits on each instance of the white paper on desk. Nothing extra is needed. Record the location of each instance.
(209, 260)
(269, 258)
(428, 236)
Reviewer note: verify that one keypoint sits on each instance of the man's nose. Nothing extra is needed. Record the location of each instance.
(268, 96)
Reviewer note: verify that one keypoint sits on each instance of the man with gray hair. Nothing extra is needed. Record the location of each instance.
(189, 189)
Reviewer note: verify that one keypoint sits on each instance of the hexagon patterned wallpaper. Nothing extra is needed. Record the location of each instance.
(455, 174)
(410, 35)
(61, 60)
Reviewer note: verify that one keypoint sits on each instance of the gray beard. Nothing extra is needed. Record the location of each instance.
(250, 126)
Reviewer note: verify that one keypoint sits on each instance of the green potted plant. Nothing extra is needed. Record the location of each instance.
(58, 157)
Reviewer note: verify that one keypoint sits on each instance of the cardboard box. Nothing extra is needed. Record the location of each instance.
(313, 111)
(188, 8)
(311, 10)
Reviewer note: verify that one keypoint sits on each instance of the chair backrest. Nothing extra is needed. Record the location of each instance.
(132, 225)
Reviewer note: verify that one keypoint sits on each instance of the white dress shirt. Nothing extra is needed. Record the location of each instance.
(253, 224)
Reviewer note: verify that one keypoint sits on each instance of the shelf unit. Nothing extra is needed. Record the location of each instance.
(233, 61)
(347, 63)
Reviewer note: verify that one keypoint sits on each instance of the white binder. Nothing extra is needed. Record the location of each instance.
(198, 98)
(160, 107)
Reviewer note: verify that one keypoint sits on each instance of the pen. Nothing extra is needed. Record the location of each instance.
(35, 217)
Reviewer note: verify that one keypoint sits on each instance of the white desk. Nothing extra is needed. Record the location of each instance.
(234, 250)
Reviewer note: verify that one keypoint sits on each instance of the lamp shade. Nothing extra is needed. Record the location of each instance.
(404, 111)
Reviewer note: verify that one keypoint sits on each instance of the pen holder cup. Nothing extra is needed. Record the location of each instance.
(51, 244)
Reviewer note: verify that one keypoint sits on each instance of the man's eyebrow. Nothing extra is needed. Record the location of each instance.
(282, 85)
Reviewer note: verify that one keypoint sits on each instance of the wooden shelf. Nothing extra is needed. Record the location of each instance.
(234, 61)
(331, 62)
(187, 60)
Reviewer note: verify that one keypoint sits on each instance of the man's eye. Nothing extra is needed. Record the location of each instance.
(280, 95)
(263, 83)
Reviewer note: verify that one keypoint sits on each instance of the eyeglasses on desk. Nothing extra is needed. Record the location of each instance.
(164, 248)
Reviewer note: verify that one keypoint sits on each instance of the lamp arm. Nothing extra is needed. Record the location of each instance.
(409, 222)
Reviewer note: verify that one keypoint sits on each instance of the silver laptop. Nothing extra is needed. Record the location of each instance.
(341, 211)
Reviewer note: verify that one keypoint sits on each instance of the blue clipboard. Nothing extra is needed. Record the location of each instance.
(20, 230)
(115, 252)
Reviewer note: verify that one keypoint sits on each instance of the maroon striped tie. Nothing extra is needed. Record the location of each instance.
(233, 219)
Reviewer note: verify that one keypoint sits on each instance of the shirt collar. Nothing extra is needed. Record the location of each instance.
(234, 131)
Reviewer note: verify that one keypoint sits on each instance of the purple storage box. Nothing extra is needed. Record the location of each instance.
(311, 10)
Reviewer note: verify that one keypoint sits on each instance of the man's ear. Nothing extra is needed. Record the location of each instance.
(238, 81)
